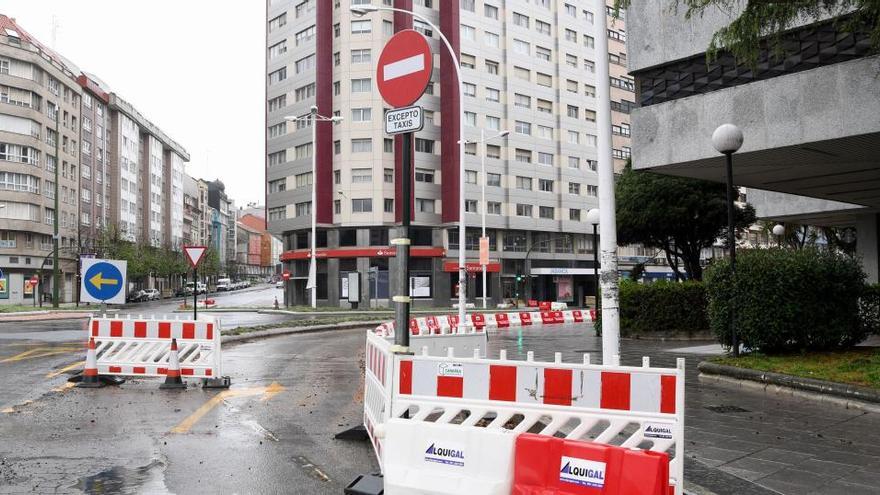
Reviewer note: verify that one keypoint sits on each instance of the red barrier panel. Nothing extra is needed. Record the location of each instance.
(479, 320)
(547, 317)
(533, 303)
(433, 324)
(578, 316)
(558, 317)
(546, 464)
(525, 318)
(413, 326)
(544, 306)
(502, 320)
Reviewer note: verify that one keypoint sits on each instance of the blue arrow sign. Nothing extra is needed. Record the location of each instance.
(103, 281)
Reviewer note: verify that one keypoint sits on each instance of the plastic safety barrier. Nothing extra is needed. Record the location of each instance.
(630, 407)
(379, 365)
(141, 346)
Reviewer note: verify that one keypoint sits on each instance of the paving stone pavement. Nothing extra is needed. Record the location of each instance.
(790, 445)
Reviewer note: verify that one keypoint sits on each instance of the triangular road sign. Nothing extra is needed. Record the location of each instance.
(194, 254)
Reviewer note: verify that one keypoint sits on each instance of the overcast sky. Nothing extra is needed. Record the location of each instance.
(192, 67)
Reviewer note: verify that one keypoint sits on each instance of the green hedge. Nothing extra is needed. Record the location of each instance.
(869, 307)
(788, 299)
(673, 307)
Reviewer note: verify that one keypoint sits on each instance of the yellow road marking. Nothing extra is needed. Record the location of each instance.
(185, 425)
(62, 388)
(65, 369)
(40, 352)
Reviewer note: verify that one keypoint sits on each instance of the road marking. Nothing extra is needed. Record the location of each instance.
(62, 388)
(40, 352)
(305, 463)
(65, 369)
(403, 67)
(272, 390)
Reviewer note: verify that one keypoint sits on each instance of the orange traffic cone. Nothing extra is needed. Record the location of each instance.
(172, 376)
(90, 378)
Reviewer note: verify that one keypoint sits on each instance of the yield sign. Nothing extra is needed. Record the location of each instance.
(404, 68)
(194, 254)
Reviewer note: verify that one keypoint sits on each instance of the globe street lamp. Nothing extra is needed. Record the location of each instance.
(313, 118)
(593, 218)
(727, 140)
(778, 231)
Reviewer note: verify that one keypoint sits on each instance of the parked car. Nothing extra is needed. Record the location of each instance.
(136, 296)
(224, 284)
(152, 295)
(279, 284)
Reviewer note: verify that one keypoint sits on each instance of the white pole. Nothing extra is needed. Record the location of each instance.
(607, 217)
(313, 268)
(483, 200)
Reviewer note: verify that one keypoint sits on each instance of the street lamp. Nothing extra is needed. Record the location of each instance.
(362, 10)
(778, 231)
(727, 140)
(593, 218)
(314, 118)
(483, 140)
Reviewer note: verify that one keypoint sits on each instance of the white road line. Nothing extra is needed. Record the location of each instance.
(403, 67)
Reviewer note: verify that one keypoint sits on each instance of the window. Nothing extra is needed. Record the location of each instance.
(572, 111)
(491, 39)
(468, 61)
(304, 7)
(306, 35)
(521, 73)
(337, 177)
(544, 79)
(545, 159)
(305, 64)
(543, 53)
(622, 106)
(571, 61)
(491, 67)
(493, 95)
(591, 140)
(468, 32)
(468, 5)
(303, 151)
(521, 47)
(571, 35)
(589, 41)
(493, 208)
(361, 145)
(493, 180)
(277, 103)
(304, 92)
(542, 27)
(524, 128)
(423, 28)
(50, 216)
(424, 145)
(86, 195)
(571, 86)
(621, 130)
(573, 137)
(361, 114)
(362, 26)
(592, 190)
(522, 101)
(277, 49)
(592, 165)
(388, 145)
(470, 176)
(524, 183)
(25, 183)
(523, 210)
(364, 205)
(590, 116)
(545, 132)
(304, 209)
(362, 56)
(490, 11)
(7, 239)
(523, 156)
(424, 175)
(337, 147)
(545, 185)
(470, 89)
(361, 175)
(617, 35)
(278, 129)
(361, 85)
(470, 119)
(493, 123)
(617, 59)
(277, 76)
(546, 212)
(20, 154)
(590, 91)
(277, 158)
(387, 28)
(470, 206)
(493, 151)
(470, 149)
(622, 83)
(303, 180)
(278, 22)
(520, 20)
(545, 106)
(388, 205)
(424, 205)
(337, 206)
(589, 66)
(337, 88)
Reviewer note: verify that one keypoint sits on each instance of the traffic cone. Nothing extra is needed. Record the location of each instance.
(90, 378)
(172, 376)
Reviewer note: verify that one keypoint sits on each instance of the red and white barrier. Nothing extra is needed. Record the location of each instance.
(141, 346)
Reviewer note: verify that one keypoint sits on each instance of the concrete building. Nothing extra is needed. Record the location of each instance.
(527, 68)
(39, 133)
(812, 136)
(94, 211)
(195, 211)
(223, 217)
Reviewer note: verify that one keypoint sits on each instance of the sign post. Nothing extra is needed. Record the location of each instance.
(285, 275)
(403, 72)
(103, 281)
(195, 254)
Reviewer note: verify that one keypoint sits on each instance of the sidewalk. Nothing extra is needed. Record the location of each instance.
(45, 315)
(777, 442)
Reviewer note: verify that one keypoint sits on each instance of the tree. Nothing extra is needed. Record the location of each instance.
(762, 23)
(677, 215)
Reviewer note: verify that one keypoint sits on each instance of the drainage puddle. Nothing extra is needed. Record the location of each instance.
(122, 480)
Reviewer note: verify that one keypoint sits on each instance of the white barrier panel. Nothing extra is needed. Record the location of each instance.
(141, 346)
(378, 366)
(642, 405)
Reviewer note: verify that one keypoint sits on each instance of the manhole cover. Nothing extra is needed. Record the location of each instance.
(726, 409)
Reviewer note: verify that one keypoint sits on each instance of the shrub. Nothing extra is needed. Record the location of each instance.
(869, 309)
(667, 307)
(787, 299)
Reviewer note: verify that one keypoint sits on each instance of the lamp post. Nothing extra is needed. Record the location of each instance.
(484, 140)
(593, 218)
(362, 10)
(727, 140)
(779, 231)
(314, 118)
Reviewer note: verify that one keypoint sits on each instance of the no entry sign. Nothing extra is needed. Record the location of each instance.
(404, 68)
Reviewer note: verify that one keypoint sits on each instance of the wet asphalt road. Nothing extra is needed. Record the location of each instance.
(120, 439)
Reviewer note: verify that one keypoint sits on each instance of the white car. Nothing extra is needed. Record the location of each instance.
(152, 295)
(279, 284)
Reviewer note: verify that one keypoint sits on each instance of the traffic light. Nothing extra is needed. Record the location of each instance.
(518, 277)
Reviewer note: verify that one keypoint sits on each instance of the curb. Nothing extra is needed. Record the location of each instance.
(855, 396)
(277, 332)
(46, 315)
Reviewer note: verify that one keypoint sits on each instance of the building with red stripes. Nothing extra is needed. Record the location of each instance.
(528, 68)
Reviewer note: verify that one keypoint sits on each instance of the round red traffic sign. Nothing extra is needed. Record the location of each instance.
(404, 68)
(285, 275)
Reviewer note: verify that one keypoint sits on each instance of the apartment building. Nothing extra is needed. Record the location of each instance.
(94, 211)
(528, 68)
(39, 145)
(222, 224)
(195, 211)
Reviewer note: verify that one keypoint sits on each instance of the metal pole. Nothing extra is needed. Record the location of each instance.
(607, 220)
(403, 299)
(313, 266)
(195, 293)
(483, 201)
(731, 242)
(596, 265)
(56, 273)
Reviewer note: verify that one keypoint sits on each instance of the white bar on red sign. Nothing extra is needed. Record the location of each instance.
(403, 67)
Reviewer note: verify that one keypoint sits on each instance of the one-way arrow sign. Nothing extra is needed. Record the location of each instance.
(194, 254)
